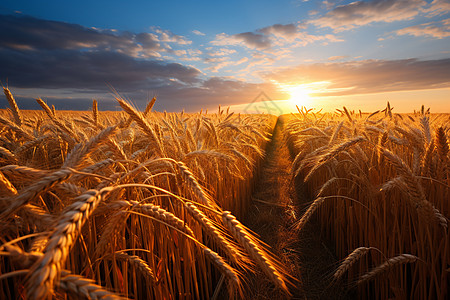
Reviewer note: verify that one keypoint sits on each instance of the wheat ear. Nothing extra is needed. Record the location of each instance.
(349, 261)
(47, 269)
(415, 190)
(231, 251)
(18, 119)
(83, 288)
(397, 260)
(18, 130)
(95, 112)
(251, 245)
(224, 268)
(192, 182)
(309, 212)
(163, 215)
(137, 262)
(22, 172)
(52, 117)
(80, 151)
(20, 258)
(142, 122)
(332, 153)
(33, 191)
(6, 186)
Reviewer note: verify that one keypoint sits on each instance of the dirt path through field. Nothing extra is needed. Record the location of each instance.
(275, 207)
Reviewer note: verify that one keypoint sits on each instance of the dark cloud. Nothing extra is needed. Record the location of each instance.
(88, 70)
(369, 76)
(28, 33)
(44, 54)
(69, 65)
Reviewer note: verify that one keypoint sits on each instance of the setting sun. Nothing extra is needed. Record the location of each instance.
(299, 95)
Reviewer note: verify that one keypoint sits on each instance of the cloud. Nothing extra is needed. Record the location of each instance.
(434, 30)
(169, 37)
(222, 62)
(368, 76)
(88, 70)
(222, 52)
(269, 39)
(361, 13)
(249, 39)
(37, 53)
(279, 30)
(337, 57)
(28, 33)
(19, 32)
(438, 7)
(69, 65)
(197, 32)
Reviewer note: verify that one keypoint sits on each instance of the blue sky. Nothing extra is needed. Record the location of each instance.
(199, 54)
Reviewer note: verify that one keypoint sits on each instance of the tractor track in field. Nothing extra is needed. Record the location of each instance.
(277, 203)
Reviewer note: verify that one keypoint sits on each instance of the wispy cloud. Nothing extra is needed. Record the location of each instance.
(169, 37)
(438, 7)
(361, 13)
(222, 52)
(438, 30)
(197, 32)
(337, 57)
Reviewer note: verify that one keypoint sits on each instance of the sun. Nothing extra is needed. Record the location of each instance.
(299, 95)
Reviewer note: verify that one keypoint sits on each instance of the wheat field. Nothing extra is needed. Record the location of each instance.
(152, 205)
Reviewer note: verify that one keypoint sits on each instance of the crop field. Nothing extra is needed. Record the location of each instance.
(152, 205)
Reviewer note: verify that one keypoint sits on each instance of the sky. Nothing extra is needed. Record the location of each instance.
(245, 54)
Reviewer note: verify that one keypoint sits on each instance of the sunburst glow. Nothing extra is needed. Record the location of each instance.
(299, 95)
